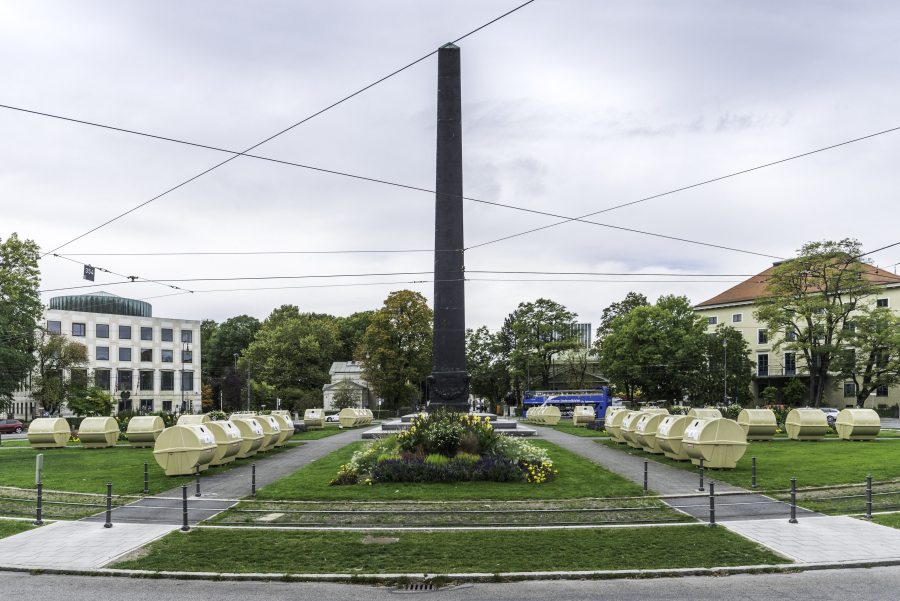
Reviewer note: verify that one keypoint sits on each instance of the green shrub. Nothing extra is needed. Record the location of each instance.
(439, 460)
(217, 416)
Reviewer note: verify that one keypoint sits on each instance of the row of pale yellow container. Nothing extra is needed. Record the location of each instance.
(703, 433)
(349, 418)
(193, 441)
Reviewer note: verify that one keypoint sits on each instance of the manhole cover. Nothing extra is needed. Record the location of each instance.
(416, 588)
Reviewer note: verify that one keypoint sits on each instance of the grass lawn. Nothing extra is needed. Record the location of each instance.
(578, 478)
(568, 428)
(283, 552)
(88, 470)
(891, 519)
(10, 527)
(328, 430)
(812, 463)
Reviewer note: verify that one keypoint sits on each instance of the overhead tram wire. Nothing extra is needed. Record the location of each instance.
(287, 129)
(565, 219)
(133, 278)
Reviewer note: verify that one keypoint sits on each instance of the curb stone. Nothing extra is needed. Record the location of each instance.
(468, 577)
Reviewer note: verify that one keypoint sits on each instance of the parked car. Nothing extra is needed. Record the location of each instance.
(11, 425)
(830, 414)
(332, 418)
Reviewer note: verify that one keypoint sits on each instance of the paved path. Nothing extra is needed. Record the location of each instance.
(75, 545)
(823, 539)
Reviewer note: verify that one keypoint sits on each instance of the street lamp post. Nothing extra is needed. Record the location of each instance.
(725, 347)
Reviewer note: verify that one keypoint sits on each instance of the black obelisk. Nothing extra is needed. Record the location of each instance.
(449, 382)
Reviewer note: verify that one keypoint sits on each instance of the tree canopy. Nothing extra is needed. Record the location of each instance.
(543, 331)
(20, 312)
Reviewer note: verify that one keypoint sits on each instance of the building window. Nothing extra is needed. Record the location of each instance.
(77, 329)
(146, 380)
(849, 326)
(713, 321)
(187, 335)
(102, 353)
(881, 391)
(849, 389)
(124, 405)
(790, 364)
(881, 302)
(187, 356)
(762, 365)
(790, 335)
(124, 332)
(54, 327)
(167, 380)
(146, 405)
(819, 311)
(187, 380)
(166, 334)
(102, 330)
(101, 378)
(737, 318)
(167, 355)
(167, 406)
(146, 333)
(762, 337)
(124, 353)
(123, 379)
(147, 354)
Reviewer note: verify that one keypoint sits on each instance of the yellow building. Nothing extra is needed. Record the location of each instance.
(734, 308)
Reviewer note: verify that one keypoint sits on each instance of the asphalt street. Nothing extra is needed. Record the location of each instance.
(872, 584)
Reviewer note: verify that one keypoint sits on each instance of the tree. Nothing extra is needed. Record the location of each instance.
(795, 391)
(207, 398)
(543, 331)
(657, 349)
(290, 352)
(347, 396)
(20, 311)
(55, 382)
(579, 370)
(95, 402)
(231, 337)
(488, 364)
(708, 384)
(631, 301)
(298, 400)
(807, 304)
(352, 331)
(874, 359)
(398, 340)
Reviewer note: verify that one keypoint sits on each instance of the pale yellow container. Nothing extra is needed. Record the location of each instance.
(286, 423)
(144, 430)
(610, 411)
(251, 435)
(49, 433)
(629, 425)
(228, 441)
(349, 417)
(550, 416)
(720, 442)
(806, 424)
(187, 420)
(180, 448)
(271, 432)
(669, 434)
(858, 424)
(614, 425)
(583, 415)
(758, 424)
(708, 413)
(646, 432)
(533, 414)
(98, 432)
(314, 419)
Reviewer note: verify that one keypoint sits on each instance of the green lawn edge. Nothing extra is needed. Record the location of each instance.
(13, 527)
(578, 478)
(491, 551)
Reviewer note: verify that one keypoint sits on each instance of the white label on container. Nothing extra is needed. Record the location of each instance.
(692, 433)
(663, 430)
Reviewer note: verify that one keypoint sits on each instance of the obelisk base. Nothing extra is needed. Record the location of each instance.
(449, 389)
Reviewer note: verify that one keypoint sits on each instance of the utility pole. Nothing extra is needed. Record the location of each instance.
(248, 383)
(725, 346)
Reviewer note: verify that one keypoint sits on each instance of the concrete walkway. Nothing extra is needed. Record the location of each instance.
(75, 545)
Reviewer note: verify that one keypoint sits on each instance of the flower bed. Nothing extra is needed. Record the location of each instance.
(444, 447)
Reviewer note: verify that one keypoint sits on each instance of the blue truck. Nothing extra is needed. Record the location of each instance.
(566, 400)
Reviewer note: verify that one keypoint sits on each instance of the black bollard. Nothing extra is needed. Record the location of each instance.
(253, 480)
(184, 527)
(39, 521)
(701, 475)
(198, 480)
(712, 503)
(108, 523)
(869, 497)
(146, 480)
(645, 476)
(793, 519)
(753, 485)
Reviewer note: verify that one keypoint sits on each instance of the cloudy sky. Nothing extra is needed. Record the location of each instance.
(569, 107)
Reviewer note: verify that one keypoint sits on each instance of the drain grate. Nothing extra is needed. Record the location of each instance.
(416, 588)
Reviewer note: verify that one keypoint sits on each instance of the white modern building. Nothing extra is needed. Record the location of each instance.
(147, 363)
